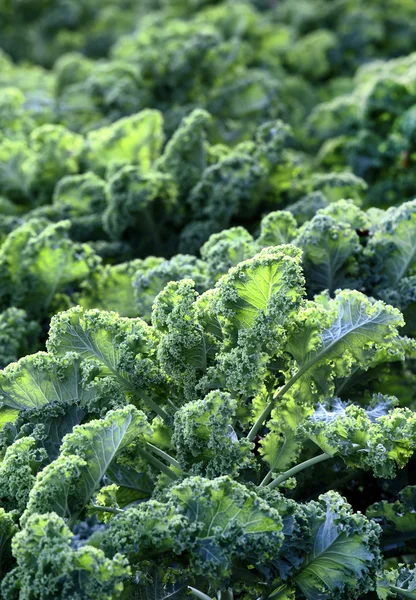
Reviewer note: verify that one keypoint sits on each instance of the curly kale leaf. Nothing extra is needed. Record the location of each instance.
(134, 140)
(366, 439)
(67, 484)
(18, 335)
(207, 523)
(225, 250)
(41, 379)
(18, 469)
(8, 528)
(344, 556)
(204, 438)
(124, 349)
(110, 288)
(397, 583)
(255, 302)
(398, 519)
(47, 565)
(141, 208)
(185, 349)
(393, 246)
(329, 250)
(237, 177)
(185, 155)
(330, 337)
(40, 266)
(151, 278)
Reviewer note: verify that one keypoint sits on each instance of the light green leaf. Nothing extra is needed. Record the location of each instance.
(137, 140)
(110, 288)
(330, 342)
(269, 281)
(105, 337)
(277, 228)
(41, 379)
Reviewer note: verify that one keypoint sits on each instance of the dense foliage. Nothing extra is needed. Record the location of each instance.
(207, 300)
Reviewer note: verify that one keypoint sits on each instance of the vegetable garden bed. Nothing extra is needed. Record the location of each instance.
(208, 300)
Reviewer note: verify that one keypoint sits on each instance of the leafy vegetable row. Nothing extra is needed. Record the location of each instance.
(201, 416)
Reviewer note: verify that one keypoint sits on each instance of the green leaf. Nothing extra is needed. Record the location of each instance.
(184, 348)
(48, 564)
(137, 140)
(67, 484)
(341, 558)
(277, 228)
(185, 154)
(132, 485)
(41, 379)
(110, 288)
(7, 415)
(270, 281)
(208, 523)
(7, 530)
(327, 343)
(280, 449)
(154, 588)
(140, 207)
(215, 506)
(53, 261)
(114, 342)
(150, 281)
(204, 437)
(226, 249)
(397, 583)
(398, 519)
(329, 248)
(394, 243)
